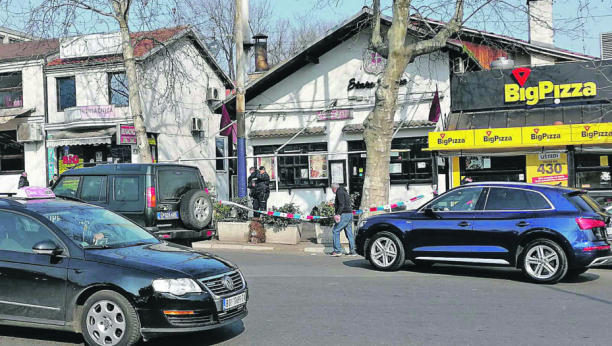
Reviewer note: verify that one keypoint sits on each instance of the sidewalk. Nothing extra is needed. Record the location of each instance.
(304, 246)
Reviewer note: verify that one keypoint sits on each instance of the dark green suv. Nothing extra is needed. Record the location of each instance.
(171, 201)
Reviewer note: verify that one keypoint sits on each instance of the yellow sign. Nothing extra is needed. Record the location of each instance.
(603, 160)
(532, 95)
(592, 133)
(494, 138)
(547, 135)
(449, 140)
(547, 168)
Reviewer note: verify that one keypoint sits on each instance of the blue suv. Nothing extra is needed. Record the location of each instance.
(548, 232)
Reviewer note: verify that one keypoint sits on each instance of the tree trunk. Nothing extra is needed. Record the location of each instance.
(134, 85)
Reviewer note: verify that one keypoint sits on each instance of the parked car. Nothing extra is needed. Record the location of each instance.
(549, 232)
(168, 200)
(74, 266)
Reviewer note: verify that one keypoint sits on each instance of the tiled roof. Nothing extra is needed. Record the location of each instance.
(319, 130)
(355, 128)
(143, 42)
(31, 49)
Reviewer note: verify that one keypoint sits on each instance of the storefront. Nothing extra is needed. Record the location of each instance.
(550, 125)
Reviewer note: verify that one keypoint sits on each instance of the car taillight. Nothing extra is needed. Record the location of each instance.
(597, 248)
(585, 224)
(151, 197)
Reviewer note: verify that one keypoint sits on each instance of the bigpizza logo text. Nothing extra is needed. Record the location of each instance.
(585, 133)
(449, 140)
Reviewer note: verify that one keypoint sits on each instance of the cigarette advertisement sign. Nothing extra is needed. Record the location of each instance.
(317, 165)
(547, 168)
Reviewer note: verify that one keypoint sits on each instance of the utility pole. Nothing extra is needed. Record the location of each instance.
(242, 39)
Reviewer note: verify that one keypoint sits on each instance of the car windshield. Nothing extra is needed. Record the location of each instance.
(92, 227)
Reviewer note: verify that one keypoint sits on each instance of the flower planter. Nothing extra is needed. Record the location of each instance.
(233, 232)
(289, 235)
(324, 235)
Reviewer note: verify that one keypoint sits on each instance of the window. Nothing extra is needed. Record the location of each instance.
(221, 145)
(94, 189)
(126, 189)
(67, 186)
(19, 233)
(11, 92)
(173, 184)
(507, 199)
(493, 168)
(118, 90)
(593, 171)
(11, 152)
(538, 202)
(458, 200)
(66, 93)
(13, 40)
(293, 171)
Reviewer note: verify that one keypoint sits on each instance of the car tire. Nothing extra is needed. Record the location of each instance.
(386, 252)
(196, 209)
(575, 272)
(544, 261)
(108, 316)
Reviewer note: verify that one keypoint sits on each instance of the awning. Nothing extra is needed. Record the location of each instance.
(317, 130)
(356, 128)
(66, 138)
(7, 115)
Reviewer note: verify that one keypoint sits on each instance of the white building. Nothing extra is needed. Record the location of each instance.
(89, 118)
(315, 103)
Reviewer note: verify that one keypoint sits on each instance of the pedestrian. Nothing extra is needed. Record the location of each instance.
(344, 221)
(23, 180)
(467, 180)
(252, 182)
(262, 188)
(54, 180)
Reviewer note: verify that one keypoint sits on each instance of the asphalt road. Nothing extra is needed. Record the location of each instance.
(300, 299)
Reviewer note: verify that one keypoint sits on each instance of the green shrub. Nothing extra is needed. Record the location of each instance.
(282, 222)
(223, 212)
(325, 209)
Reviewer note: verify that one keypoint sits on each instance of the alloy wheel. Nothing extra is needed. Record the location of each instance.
(542, 262)
(201, 209)
(106, 323)
(383, 252)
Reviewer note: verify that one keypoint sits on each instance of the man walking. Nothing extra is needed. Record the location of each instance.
(23, 180)
(344, 221)
(252, 182)
(262, 188)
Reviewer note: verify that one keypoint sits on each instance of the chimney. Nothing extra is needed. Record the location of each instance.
(541, 31)
(261, 53)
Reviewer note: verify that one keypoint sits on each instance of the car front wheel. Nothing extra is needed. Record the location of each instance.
(109, 319)
(544, 261)
(386, 252)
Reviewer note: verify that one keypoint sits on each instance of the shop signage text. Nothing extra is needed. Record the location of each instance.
(89, 113)
(547, 135)
(335, 114)
(354, 84)
(127, 135)
(547, 168)
(532, 95)
(491, 138)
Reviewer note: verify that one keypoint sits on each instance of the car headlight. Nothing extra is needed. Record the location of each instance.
(177, 287)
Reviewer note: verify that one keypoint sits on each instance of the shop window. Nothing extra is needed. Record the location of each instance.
(294, 171)
(126, 189)
(11, 153)
(94, 189)
(11, 91)
(66, 93)
(221, 151)
(593, 171)
(118, 90)
(493, 168)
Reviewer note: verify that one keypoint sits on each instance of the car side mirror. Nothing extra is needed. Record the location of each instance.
(429, 212)
(47, 247)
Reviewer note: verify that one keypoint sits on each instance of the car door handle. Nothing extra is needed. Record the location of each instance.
(463, 224)
(523, 224)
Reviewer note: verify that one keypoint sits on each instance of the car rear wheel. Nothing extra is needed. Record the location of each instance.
(196, 209)
(109, 319)
(544, 261)
(386, 252)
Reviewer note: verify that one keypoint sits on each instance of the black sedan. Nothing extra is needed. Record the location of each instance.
(72, 266)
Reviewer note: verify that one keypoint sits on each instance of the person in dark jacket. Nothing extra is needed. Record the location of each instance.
(23, 180)
(251, 182)
(344, 221)
(262, 188)
(54, 180)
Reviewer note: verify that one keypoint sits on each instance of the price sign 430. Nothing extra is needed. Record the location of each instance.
(550, 168)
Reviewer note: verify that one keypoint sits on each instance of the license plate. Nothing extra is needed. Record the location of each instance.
(167, 215)
(234, 301)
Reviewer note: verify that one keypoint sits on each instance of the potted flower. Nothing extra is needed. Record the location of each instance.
(232, 222)
(323, 226)
(282, 230)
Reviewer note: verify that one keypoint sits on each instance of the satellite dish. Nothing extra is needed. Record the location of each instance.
(214, 47)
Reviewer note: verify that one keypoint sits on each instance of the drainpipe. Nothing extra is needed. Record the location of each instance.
(46, 116)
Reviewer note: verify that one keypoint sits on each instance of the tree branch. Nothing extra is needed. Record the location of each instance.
(376, 41)
(439, 40)
(84, 6)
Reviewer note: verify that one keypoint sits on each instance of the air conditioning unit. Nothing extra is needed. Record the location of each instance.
(29, 133)
(606, 45)
(459, 66)
(197, 125)
(215, 94)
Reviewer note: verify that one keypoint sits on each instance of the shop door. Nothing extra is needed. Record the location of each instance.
(357, 170)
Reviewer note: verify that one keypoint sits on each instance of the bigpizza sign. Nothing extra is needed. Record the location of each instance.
(532, 95)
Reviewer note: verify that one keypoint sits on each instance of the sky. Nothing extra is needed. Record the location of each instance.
(579, 22)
